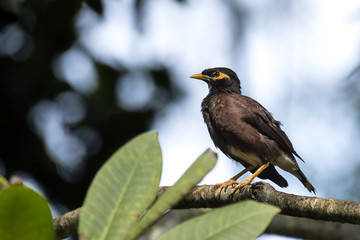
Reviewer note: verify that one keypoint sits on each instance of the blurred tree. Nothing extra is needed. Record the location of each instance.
(58, 133)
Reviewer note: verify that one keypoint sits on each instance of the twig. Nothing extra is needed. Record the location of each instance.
(66, 225)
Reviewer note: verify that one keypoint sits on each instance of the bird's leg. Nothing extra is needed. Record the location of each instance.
(232, 180)
(250, 179)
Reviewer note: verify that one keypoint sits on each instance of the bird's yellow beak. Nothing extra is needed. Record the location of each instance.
(201, 77)
(197, 76)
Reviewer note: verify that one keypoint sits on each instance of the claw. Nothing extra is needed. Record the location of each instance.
(238, 186)
(225, 185)
(231, 182)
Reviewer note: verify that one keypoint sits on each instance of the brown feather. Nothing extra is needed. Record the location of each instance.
(244, 130)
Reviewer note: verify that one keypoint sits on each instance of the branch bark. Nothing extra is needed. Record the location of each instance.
(295, 227)
(205, 197)
(66, 225)
(305, 228)
(327, 209)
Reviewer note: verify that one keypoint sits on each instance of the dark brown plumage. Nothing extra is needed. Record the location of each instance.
(246, 132)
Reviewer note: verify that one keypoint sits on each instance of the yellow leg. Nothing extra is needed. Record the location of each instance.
(233, 180)
(244, 183)
(250, 179)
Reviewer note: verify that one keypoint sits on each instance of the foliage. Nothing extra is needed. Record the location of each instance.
(120, 218)
(121, 202)
(3, 183)
(24, 214)
(122, 189)
(245, 220)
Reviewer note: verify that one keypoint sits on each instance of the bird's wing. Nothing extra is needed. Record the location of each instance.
(262, 120)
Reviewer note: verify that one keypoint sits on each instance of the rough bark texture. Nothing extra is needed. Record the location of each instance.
(310, 207)
(305, 228)
(299, 206)
(67, 224)
(295, 227)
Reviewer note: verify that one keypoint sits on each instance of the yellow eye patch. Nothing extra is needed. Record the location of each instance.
(221, 76)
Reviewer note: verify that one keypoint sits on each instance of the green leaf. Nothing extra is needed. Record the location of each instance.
(3, 183)
(240, 221)
(122, 190)
(191, 177)
(24, 214)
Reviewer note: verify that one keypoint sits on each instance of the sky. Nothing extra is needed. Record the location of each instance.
(294, 60)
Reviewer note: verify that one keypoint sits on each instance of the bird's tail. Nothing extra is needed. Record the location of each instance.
(303, 179)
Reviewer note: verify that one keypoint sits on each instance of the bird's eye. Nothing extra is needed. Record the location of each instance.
(215, 74)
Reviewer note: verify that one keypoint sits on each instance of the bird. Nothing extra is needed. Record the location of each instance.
(246, 132)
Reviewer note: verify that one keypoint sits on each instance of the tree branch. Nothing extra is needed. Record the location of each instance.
(302, 228)
(205, 197)
(327, 209)
(66, 225)
(305, 228)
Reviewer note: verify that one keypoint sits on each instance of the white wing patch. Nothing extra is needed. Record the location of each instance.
(252, 159)
(286, 163)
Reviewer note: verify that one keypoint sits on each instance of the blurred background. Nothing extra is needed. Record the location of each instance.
(80, 78)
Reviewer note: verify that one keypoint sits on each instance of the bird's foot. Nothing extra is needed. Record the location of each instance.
(228, 183)
(240, 185)
(224, 186)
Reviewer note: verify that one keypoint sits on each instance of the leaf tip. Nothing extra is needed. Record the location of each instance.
(213, 153)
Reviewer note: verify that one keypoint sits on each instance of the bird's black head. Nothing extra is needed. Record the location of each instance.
(220, 79)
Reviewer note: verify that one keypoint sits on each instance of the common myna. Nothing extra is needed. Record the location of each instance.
(246, 132)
